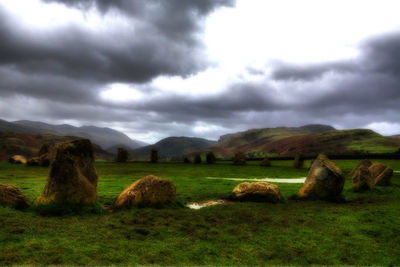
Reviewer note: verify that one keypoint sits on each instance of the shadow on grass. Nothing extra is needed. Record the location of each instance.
(53, 209)
(166, 205)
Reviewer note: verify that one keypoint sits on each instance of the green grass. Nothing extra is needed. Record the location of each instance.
(364, 230)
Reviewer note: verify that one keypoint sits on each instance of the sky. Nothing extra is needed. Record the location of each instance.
(203, 68)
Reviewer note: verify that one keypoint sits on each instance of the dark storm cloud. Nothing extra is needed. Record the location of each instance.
(365, 85)
(162, 41)
(379, 55)
(177, 19)
(57, 74)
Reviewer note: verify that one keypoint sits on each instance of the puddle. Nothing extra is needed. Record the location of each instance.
(298, 180)
(197, 206)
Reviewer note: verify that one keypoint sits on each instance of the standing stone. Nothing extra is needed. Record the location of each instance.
(12, 196)
(364, 163)
(197, 158)
(154, 155)
(122, 155)
(239, 159)
(148, 191)
(210, 157)
(362, 179)
(43, 158)
(324, 179)
(298, 162)
(72, 177)
(257, 191)
(265, 162)
(381, 173)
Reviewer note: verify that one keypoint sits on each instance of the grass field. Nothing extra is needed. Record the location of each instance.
(363, 230)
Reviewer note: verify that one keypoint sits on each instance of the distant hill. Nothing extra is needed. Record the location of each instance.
(175, 147)
(309, 139)
(28, 145)
(105, 137)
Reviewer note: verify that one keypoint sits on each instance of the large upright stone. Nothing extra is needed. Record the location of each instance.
(239, 158)
(12, 196)
(122, 155)
(43, 158)
(265, 162)
(324, 179)
(381, 173)
(147, 191)
(298, 162)
(72, 177)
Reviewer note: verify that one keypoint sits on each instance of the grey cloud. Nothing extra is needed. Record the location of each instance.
(59, 75)
(163, 43)
(284, 71)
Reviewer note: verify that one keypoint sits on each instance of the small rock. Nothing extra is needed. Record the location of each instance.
(17, 159)
(11, 195)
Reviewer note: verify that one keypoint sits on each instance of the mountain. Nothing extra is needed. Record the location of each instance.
(309, 139)
(175, 147)
(28, 145)
(105, 137)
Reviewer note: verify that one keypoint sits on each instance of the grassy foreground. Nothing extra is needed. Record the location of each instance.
(364, 230)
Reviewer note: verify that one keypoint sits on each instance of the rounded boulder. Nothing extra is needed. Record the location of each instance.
(257, 191)
(12, 196)
(149, 190)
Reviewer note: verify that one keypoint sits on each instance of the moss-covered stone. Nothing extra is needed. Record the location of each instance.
(149, 190)
(72, 177)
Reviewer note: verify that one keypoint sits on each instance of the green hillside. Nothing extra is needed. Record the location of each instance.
(291, 141)
(28, 145)
(175, 147)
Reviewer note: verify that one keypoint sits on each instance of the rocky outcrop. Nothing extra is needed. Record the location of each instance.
(257, 191)
(149, 190)
(72, 177)
(324, 180)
